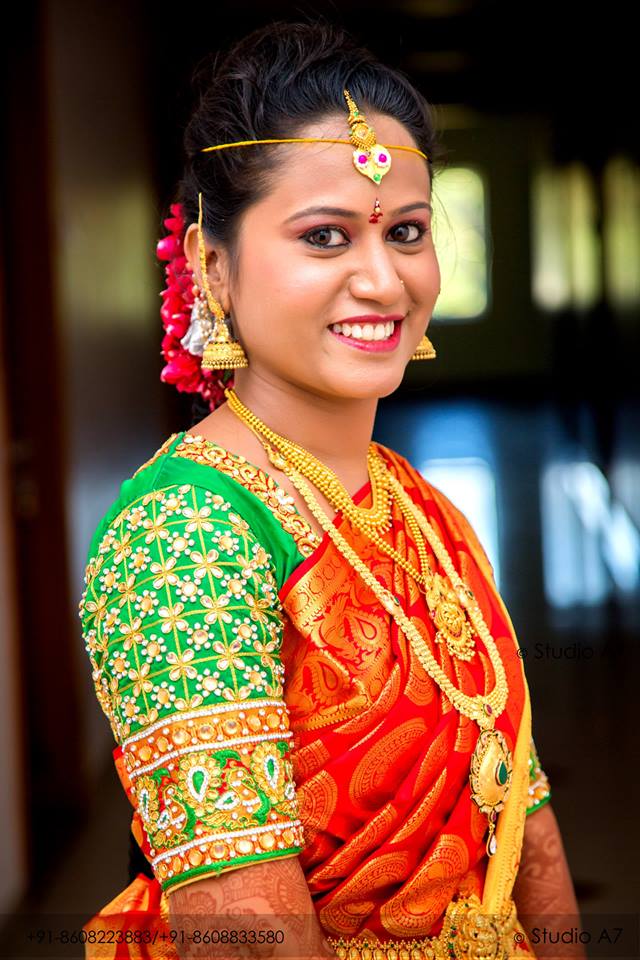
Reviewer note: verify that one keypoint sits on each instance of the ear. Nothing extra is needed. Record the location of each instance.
(217, 262)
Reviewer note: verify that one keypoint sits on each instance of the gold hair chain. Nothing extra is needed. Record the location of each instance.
(370, 158)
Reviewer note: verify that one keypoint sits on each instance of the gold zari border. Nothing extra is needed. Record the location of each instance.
(467, 932)
(201, 450)
(213, 854)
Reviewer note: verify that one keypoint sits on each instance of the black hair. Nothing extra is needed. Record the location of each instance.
(272, 83)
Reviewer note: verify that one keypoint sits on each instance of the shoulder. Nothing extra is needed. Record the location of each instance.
(171, 493)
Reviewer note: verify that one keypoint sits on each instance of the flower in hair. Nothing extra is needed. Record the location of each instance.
(183, 368)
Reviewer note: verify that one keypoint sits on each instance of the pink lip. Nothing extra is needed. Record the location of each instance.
(373, 346)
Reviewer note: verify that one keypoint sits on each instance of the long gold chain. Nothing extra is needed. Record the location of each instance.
(483, 708)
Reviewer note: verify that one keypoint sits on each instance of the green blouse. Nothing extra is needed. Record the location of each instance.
(183, 627)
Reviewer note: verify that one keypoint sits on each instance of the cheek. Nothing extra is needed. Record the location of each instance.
(426, 276)
(288, 283)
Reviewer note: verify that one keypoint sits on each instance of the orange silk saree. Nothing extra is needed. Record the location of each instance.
(395, 847)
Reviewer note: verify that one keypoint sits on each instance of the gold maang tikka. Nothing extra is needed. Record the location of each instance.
(220, 351)
(370, 158)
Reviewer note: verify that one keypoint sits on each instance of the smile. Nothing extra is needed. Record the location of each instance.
(375, 337)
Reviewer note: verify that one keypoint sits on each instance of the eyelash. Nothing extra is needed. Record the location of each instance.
(323, 246)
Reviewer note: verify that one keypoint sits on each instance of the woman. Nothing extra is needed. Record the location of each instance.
(321, 718)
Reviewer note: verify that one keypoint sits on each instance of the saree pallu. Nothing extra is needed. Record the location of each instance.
(395, 848)
(382, 758)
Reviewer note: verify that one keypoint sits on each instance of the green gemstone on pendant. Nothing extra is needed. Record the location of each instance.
(376, 177)
(501, 773)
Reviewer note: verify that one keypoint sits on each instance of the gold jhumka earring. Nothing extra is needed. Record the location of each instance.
(220, 351)
(425, 349)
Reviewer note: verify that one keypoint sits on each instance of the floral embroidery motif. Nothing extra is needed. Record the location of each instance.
(539, 789)
(280, 503)
(183, 627)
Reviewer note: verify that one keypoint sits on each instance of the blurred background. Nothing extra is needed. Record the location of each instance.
(528, 419)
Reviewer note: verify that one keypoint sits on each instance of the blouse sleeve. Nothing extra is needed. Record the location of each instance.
(539, 789)
(183, 626)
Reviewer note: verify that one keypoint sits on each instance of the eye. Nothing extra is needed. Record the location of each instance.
(409, 232)
(323, 236)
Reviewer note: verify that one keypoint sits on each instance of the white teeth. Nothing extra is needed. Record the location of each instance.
(367, 331)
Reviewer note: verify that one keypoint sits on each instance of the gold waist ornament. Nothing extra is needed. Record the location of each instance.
(467, 934)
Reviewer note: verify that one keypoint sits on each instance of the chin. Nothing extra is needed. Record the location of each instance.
(372, 387)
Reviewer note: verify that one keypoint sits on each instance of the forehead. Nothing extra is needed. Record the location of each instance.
(310, 173)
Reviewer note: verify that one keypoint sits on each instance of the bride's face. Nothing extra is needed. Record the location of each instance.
(309, 257)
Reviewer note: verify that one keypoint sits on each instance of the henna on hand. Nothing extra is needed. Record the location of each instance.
(260, 898)
(543, 891)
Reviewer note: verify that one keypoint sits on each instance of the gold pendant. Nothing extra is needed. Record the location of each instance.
(490, 778)
(468, 932)
(453, 628)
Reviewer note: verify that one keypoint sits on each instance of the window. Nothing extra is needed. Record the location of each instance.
(460, 237)
(621, 187)
(566, 271)
(470, 485)
(589, 541)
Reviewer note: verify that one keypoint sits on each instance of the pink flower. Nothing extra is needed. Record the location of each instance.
(183, 369)
(168, 248)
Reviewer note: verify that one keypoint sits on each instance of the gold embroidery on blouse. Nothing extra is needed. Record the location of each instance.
(159, 453)
(280, 503)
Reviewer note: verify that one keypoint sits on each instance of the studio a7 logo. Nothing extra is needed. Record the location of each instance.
(551, 651)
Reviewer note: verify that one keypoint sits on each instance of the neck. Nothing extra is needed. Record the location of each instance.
(336, 430)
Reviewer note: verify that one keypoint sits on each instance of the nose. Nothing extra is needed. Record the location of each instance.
(377, 278)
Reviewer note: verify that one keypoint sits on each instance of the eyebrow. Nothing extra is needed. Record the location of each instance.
(343, 212)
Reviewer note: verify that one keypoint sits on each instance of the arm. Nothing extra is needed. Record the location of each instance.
(543, 892)
(269, 896)
(183, 627)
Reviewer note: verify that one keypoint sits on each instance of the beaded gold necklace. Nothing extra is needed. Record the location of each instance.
(491, 762)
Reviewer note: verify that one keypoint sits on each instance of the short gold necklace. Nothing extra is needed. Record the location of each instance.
(377, 516)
